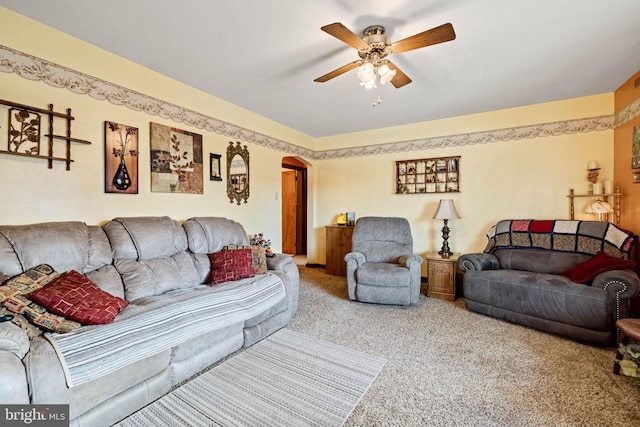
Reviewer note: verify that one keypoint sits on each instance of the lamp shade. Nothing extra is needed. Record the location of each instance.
(598, 207)
(446, 210)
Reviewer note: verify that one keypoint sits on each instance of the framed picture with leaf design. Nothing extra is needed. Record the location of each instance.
(176, 160)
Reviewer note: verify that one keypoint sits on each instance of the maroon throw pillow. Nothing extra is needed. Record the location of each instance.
(230, 265)
(75, 297)
(601, 262)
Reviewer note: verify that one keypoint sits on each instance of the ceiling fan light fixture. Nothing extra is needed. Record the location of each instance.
(366, 72)
(367, 75)
(386, 74)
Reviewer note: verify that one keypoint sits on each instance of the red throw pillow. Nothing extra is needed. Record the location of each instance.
(75, 297)
(601, 262)
(230, 265)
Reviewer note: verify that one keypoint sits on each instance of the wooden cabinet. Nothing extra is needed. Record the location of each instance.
(338, 245)
(442, 272)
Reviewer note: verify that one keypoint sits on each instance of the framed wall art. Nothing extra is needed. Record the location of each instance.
(635, 148)
(121, 158)
(434, 175)
(214, 167)
(176, 160)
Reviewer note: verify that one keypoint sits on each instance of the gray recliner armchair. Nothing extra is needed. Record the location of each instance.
(381, 267)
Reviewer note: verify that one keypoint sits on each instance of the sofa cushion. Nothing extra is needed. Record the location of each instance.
(154, 277)
(32, 279)
(384, 274)
(63, 245)
(538, 260)
(258, 256)
(601, 262)
(542, 296)
(75, 297)
(38, 315)
(210, 234)
(145, 238)
(11, 296)
(233, 264)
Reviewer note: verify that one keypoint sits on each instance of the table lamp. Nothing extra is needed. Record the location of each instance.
(446, 211)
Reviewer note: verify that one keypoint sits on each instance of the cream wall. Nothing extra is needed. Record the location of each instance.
(526, 178)
(33, 193)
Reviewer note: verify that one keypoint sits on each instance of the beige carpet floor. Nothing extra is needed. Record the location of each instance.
(451, 367)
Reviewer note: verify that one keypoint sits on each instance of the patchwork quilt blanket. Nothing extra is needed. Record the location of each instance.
(151, 325)
(587, 237)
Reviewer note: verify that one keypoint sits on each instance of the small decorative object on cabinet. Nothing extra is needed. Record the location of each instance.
(24, 132)
(604, 198)
(434, 175)
(442, 272)
(351, 218)
(338, 245)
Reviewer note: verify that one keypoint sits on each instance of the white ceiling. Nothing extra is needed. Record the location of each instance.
(263, 55)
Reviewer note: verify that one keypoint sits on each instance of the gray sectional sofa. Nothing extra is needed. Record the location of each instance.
(527, 274)
(175, 324)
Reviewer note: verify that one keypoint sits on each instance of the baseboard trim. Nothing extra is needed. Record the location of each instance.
(315, 265)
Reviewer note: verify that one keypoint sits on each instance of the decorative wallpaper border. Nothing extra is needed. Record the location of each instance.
(33, 68)
(498, 135)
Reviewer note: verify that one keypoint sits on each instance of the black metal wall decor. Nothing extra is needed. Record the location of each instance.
(25, 129)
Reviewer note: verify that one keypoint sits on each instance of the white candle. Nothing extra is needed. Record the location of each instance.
(608, 187)
(592, 165)
(597, 188)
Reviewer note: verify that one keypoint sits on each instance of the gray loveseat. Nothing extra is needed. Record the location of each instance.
(520, 277)
(175, 324)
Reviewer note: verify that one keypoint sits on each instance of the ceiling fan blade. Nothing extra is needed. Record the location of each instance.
(400, 79)
(443, 33)
(344, 34)
(335, 73)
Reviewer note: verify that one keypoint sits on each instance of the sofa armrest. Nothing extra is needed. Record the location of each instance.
(478, 261)
(624, 283)
(13, 339)
(409, 261)
(283, 266)
(357, 258)
(14, 344)
(354, 261)
(278, 262)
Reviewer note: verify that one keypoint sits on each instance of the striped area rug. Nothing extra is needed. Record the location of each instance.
(287, 379)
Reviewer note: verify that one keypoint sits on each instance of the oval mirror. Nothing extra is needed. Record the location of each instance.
(237, 172)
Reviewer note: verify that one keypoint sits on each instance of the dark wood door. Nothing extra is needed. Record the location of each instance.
(289, 211)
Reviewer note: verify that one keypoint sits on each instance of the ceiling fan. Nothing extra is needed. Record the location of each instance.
(375, 47)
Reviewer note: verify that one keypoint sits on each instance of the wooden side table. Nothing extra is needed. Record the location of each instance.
(442, 272)
(338, 245)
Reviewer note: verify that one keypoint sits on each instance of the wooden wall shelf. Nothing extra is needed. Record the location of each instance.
(617, 198)
(25, 129)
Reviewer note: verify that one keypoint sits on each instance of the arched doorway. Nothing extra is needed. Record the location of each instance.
(294, 206)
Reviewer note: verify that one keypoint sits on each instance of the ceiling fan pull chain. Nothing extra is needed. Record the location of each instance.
(377, 101)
